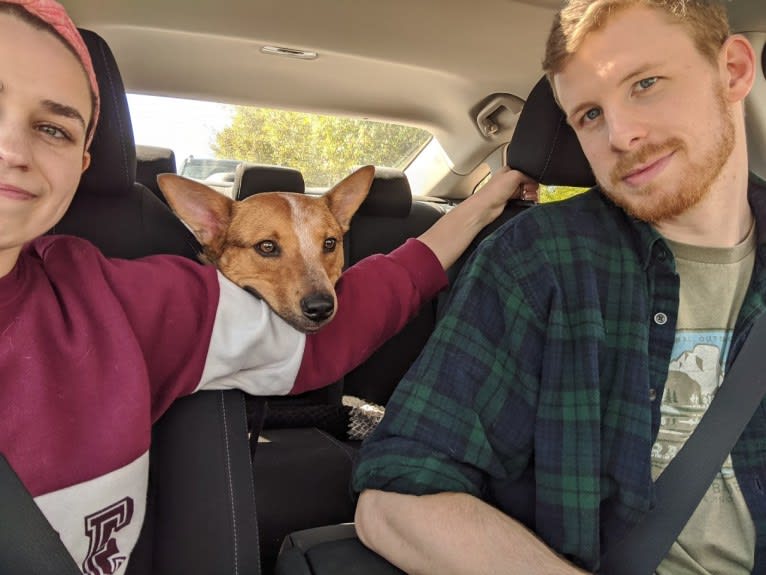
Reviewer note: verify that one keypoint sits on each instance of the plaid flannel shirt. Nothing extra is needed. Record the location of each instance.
(540, 389)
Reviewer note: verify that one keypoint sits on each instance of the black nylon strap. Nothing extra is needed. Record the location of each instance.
(28, 543)
(688, 476)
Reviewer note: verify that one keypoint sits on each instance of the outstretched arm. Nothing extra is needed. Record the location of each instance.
(451, 533)
(450, 236)
(380, 294)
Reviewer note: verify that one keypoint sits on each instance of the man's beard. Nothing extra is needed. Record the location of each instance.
(652, 204)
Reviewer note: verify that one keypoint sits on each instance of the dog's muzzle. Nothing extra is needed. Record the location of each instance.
(317, 307)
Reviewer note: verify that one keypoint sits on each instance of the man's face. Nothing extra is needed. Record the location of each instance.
(650, 113)
(44, 109)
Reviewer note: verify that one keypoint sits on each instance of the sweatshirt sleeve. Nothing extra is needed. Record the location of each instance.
(376, 298)
(253, 349)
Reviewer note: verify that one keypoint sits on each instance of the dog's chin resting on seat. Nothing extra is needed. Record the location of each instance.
(285, 248)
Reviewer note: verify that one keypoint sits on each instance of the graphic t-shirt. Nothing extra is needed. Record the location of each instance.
(720, 536)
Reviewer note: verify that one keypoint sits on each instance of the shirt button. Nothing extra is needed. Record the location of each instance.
(662, 255)
(660, 318)
(652, 394)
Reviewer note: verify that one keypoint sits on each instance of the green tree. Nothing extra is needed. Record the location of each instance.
(324, 148)
(557, 193)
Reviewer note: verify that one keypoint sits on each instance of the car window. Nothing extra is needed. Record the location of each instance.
(209, 139)
(205, 168)
(556, 193)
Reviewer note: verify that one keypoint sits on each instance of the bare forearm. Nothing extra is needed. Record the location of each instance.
(451, 235)
(451, 533)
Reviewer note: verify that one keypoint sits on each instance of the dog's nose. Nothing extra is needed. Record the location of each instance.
(317, 307)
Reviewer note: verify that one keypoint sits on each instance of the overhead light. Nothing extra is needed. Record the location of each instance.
(290, 52)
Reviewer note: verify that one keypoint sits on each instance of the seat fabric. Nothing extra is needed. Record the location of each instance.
(200, 512)
(544, 146)
(303, 473)
(251, 179)
(387, 219)
(152, 161)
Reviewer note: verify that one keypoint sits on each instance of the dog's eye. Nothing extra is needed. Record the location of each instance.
(329, 244)
(267, 248)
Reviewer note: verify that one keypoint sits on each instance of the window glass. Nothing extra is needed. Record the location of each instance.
(557, 193)
(210, 139)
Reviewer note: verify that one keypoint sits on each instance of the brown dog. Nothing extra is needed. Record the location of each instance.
(285, 248)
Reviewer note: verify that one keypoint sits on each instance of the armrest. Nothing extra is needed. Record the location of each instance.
(330, 550)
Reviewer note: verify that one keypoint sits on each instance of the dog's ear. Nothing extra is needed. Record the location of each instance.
(346, 197)
(206, 212)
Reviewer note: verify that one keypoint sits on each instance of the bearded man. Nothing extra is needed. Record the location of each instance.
(586, 339)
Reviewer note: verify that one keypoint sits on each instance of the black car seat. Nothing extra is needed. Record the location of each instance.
(153, 160)
(303, 460)
(251, 179)
(545, 147)
(286, 493)
(387, 219)
(547, 150)
(201, 509)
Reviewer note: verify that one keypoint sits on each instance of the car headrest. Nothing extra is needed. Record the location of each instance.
(152, 161)
(544, 146)
(113, 151)
(251, 179)
(390, 195)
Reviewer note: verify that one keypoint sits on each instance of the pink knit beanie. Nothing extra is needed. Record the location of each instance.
(54, 14)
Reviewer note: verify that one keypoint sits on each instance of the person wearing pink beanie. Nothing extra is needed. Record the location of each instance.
(92, 352)
(53, 14)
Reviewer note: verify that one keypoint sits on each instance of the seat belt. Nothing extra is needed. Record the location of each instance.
(28, 543)
(688, 476)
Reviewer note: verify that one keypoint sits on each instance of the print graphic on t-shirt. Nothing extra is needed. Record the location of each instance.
(104, 557)
(695, 373)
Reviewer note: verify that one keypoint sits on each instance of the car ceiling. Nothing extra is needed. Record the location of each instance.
(429, 63)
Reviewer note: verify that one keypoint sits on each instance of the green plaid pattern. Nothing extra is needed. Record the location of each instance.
(535, 390)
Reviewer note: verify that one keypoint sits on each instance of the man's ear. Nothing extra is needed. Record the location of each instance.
(85, 161)
(737, 67)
